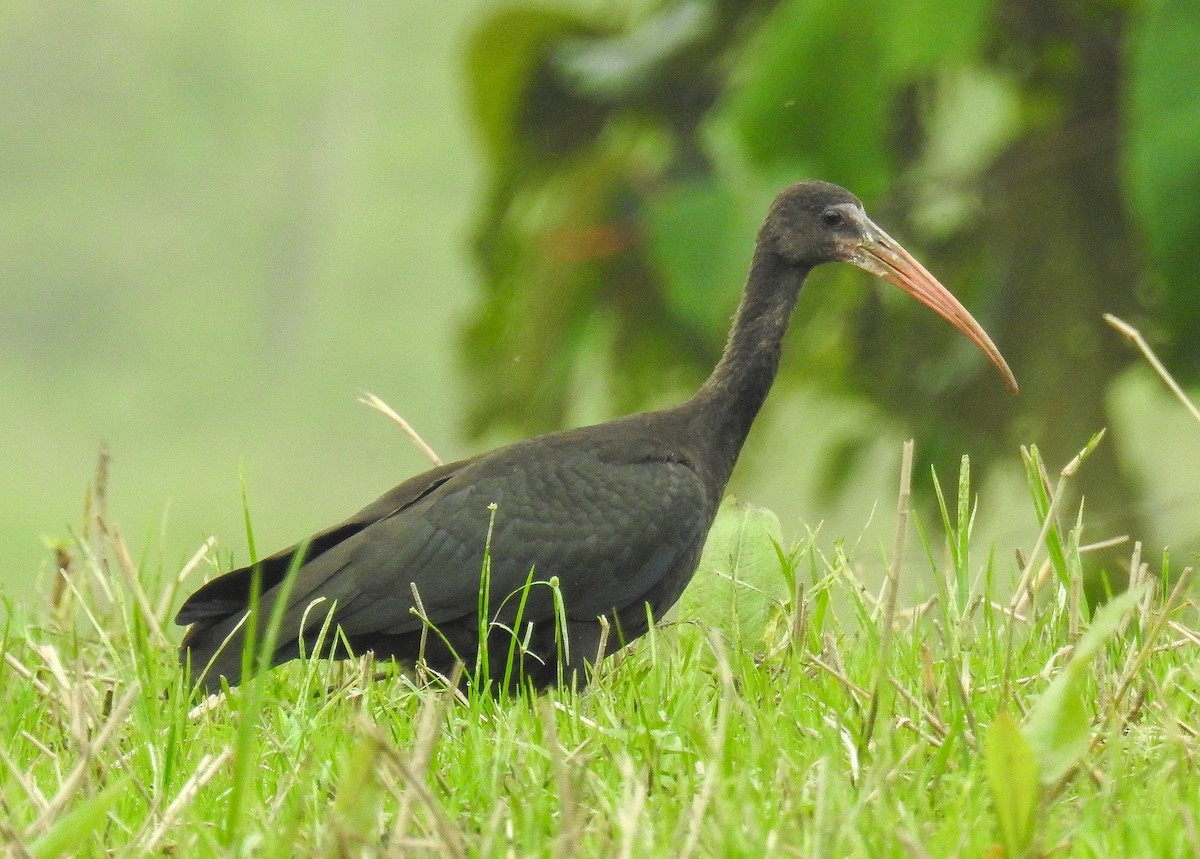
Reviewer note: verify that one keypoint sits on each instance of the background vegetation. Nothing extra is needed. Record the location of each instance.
(219, 231)
(1044, 157)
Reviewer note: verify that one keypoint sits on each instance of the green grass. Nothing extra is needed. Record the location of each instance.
(1006, 721)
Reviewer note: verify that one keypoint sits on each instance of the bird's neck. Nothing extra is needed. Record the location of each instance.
(727, 403)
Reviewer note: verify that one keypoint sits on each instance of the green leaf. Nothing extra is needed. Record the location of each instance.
(358, 798)
(614, 67)
(1058, 727)
(958, 532)
(739, 583)
(1012, 772)
(246, 519)
(800, 101)
(961, 549)
(698, 237)
(503, 61)
(841, 463)
(922, 34)
(1163, 158)
(1040, 493)
(79, 825)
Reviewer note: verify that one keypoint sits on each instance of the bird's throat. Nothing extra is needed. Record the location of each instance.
(730, 399)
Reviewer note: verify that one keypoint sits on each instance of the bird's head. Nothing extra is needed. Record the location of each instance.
(816, 222)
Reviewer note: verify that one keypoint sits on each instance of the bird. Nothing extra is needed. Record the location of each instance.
(589, 534)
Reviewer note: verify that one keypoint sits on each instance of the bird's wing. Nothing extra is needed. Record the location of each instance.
(609, 523)
(230, 593)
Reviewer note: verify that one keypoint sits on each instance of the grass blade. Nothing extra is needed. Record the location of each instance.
(1012, 774)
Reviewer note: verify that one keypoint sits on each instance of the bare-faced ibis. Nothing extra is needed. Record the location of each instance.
(616, 514)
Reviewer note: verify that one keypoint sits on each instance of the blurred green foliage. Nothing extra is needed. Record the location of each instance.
(1162, 160)
(1043, 158)
(216, 230)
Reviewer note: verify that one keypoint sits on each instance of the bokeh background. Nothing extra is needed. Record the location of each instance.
(219, 229)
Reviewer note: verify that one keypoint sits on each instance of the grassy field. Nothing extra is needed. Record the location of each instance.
(785, 711)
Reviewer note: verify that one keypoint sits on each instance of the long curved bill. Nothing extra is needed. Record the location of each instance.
(882, 256)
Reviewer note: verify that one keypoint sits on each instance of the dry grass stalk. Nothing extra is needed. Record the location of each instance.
(167, 598)
(87, 754)
(962, 687)
(567, 842)
(928, 716)
(910, 843)
(1131, 333)
(716, 747)
(891, 593)
(130, 573)
(452, 844)
(1025, 588)
(1133, 666)
(206, 769)
(602, 646)
(633, 805)
(63, 567)
(32, 791)
(95, 502)
(831, 663)
(430, 717)
(12, 842)
(26, 674)
(379, 405)
(1031, 575)
(497, 819)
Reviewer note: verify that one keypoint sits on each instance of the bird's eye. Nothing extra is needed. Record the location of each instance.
(832, 218)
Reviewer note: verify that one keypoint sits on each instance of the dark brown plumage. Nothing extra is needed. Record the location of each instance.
(617, 513)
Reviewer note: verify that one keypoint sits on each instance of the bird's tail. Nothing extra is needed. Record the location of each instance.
(209, 653)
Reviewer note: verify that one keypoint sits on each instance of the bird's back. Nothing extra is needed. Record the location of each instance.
(615, 515)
